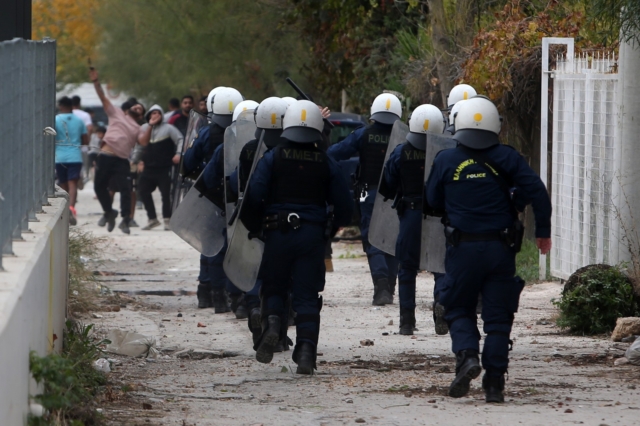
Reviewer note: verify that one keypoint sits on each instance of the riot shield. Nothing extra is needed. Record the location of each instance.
(244, 255)
(385, 225)
(433, 244)
(235, 138)
(181, 184)
(200, 223)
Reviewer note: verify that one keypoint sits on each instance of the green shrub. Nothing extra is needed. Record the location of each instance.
(594, 298)
(69, 381)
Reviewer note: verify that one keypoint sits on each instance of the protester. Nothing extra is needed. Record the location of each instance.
(174, 106)
(162, 144)
(113, 159)
(181, 119)
(202, 105)
(71, 135)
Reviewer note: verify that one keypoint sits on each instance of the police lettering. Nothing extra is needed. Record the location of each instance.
(410, 155)
(476, 175)
(302, 155)
(382, 139)
(250, 154)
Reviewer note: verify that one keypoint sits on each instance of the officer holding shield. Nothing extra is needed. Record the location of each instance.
(480, 186)
(371, 144)
(404, 180)
(297, 197)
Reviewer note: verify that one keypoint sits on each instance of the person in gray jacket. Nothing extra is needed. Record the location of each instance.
(162, 145)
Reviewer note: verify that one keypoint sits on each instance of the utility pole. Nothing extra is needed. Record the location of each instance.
(15, 19)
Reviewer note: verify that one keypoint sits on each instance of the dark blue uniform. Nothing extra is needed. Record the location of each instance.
(195, 159)
(300, 179)
(371, 144)
(213, 176)
(409, 185)
(479, 208)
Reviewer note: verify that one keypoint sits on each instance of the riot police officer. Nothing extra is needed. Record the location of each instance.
(371, 144)
(458, 93)
(211, 290)
(480, 186)
(268, 116)
(404, 181)
(290, 196)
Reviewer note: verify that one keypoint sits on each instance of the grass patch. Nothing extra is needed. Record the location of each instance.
(69, 381)
(83, 247)
(527, 263)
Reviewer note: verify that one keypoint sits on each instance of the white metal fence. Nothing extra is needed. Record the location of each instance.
(585, 157)
(27, 106)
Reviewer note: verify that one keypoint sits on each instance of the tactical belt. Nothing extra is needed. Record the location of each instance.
(455, 236)
(287, 220)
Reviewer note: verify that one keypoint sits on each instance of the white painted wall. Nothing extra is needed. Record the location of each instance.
(628, 199)
(33, 296)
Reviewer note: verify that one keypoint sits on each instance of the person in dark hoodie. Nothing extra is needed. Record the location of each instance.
(162, 145)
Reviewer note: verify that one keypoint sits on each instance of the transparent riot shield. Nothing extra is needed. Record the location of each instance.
(200, 223)
(433, 244)
(244, 255)
(385, 225)
(236, 137)
(181, 184)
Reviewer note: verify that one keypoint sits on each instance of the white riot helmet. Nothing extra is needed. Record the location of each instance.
(386, 109)
(478, 123)
(270, 112)
(459, 93)
(289, 100)
(303, 122)
(210, 96)
(224, 102)
(454, 111)
(424, 119)
(243, 106)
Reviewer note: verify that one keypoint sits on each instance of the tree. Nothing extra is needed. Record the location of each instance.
(353, 45)
(157, 49)
(71, 24)
(615, 18)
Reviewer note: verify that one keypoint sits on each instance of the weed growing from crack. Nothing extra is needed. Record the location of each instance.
(83, 247)
(69, 380)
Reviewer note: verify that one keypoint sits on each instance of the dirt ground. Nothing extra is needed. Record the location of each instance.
(553, 378)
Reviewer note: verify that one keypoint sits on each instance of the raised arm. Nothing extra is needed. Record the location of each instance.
(93, 76)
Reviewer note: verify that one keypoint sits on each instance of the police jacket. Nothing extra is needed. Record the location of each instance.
(404, 171)
(474, 202)
(297, 178)
(208, 139)
(371, 143)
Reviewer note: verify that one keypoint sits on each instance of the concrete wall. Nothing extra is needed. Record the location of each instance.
(33, 295)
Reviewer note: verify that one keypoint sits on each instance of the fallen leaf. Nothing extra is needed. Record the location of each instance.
(201, 324)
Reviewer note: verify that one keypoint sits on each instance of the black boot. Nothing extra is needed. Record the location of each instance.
(493, 387)
(238, 306)
(381, 295)
(407, 321)
(255, 325)
(220, 301)
(269, 339)
(283, 345)
(467, 369)
(305, 357)
(442, 327)
(204, 297)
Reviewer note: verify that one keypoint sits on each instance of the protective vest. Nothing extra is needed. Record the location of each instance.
(247, 155)
(372, 153)
(412, 162)
(216, 138)
(300, 175)
(159, 154)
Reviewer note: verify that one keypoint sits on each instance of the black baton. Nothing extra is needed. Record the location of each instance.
(304, 95)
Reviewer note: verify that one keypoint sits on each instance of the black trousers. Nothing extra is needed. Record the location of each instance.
(114, 170)
(149, 180)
